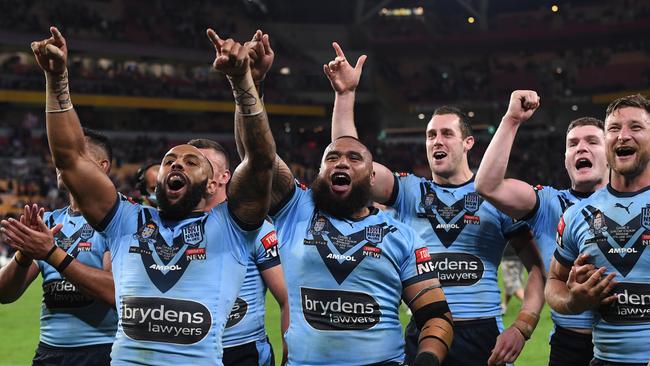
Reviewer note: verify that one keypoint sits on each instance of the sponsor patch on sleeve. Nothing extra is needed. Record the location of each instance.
(538, 187)
(270, 243)
(560, 232)
(423, 261)
(401, 174)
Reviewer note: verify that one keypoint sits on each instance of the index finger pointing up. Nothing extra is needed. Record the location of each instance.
(337, 48)
(214, 38)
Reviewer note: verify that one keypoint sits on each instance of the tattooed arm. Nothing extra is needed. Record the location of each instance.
(90, 186)
(262, 57)
(250, 187)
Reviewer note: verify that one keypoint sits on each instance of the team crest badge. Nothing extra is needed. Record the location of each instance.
(319, 225)
(472, 202)
(192, 234)
(374, 234)
(645, 217)
(147, 232)
(597, 224)
(87, 232)
(429, 201)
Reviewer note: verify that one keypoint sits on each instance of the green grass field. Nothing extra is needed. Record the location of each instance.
(19, 330)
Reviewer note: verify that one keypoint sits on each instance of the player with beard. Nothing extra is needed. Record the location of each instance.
(78, 319)
(612, 227)
(542, 206)
(348, 264)
(244, 340)
(178, 269)
(465, 235)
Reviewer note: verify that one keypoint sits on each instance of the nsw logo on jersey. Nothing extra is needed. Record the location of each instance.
(343, 253)
(165, 263)
(621, 244)
(645, 217)
(336, 310)
(448, 221)
(193, 234)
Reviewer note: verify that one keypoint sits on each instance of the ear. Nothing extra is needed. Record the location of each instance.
(373, 177)
(211, 187)
(105, 165)
(224, 177)
(468, 143)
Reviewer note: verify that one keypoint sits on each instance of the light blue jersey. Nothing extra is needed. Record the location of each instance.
(69, 318)
(345, 280)
(246, 321)
(543, 220)
(175, 282)
(466, 237)
(614, 229)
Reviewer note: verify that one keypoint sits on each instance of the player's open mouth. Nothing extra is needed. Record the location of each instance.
(438, 155)
(176, 183)
(341, 182)
(583, 163)
(623, 151)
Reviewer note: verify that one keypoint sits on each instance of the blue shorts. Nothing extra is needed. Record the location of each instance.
(570, 348)
(472, 345)
(258, 353)
(95, 355)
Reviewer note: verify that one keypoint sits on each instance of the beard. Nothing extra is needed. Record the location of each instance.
(337, 206)
(184, 206)
(631, 169)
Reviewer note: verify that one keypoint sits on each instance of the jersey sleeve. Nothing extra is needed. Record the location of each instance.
(267, 254)
(567, 249)
(540, 216)
(121, 220)
(294, 208)
(511, 227)
(402, 196)
(416, 265)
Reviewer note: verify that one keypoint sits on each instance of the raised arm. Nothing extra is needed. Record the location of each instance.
(511, 196)
(249, 192)
(344, 79)
(90, 186)
(510, 343)
(262, 57)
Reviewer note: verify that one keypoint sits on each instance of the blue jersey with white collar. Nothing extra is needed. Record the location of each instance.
(345, 280)
(543, 220)
(466, 237)
(614, 229)
(175, 282)
(69, 318)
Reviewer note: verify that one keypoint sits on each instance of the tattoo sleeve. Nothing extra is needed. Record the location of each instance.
(58, 93)
(249, 193)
